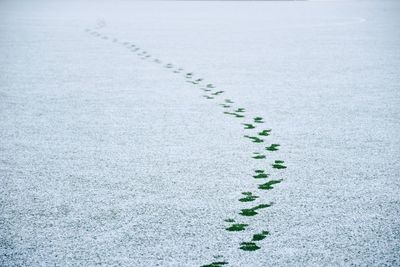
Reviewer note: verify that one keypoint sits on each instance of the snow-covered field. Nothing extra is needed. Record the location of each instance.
(110, 156)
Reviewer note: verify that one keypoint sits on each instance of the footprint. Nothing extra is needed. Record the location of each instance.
(258, 120)
(248, 126)
(229, 101)
(269, 185)
(258, 156)
(236, 227)
(254, 139)
(210, 85)
(215, 264)
(248, 197)
(252, 211)
(208, 97)
(218, 93)
(279, 164)
(265, 132)
(249, 246)
(272, 147)
(189, 75)
(260, 174)
(205, 90)
(225, 106)
(197, 81)
(240, 110)
(260, 236)
(234, 114)
(229, 220)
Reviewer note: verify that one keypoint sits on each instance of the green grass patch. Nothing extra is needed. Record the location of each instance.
(248, 197)
(234, 114)
(265, 132)
(218, 93)
(269, 185)
(272, 147)
(248, 212)
(215, 264)
(236, 227)
(260, 236)
(260, 174)
(258, 120)
(254, 139)
(258, 156)
(248, 126)
(278, 164)
(249, 246)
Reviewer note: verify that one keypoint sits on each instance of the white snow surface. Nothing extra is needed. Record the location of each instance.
(109, 159)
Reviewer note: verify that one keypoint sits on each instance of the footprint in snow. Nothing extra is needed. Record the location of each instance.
(248, 197)
(253, 211)
(236, 227)
(258, 120)
(269, 185)
(279, 164)
(258, 156)
(248, 126)
(272, 147)
(260, 174)
(254, 139)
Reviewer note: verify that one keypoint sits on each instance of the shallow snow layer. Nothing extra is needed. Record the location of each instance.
(110, 159)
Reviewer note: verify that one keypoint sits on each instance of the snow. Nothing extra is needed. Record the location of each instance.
(110, 159)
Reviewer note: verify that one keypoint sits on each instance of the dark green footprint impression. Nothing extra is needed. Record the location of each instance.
(272, 147)
(210, 85)
(224, 105)
(258, 156)
(234, 114)
(229, 101)
(229, 220)
(279, 164)
(240, 110)
(215, 264)
(265, 132)
(260, 236)
(269, 185)
(252, 211)
(248, 197)
(236, 227)
(205, 90)
(217, 93)
(248, 126)
(249, 246)
(197, 81)
(258, 120)
(260, 174)
(208, 97)
(254, 139)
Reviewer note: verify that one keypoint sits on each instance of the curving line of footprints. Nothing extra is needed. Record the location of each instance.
(211, 93)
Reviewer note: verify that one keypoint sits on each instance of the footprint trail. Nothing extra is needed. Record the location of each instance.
(212, 93)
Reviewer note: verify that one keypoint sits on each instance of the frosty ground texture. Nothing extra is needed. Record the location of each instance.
(107, 158)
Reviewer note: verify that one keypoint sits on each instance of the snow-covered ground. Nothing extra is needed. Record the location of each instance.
(107, 157)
